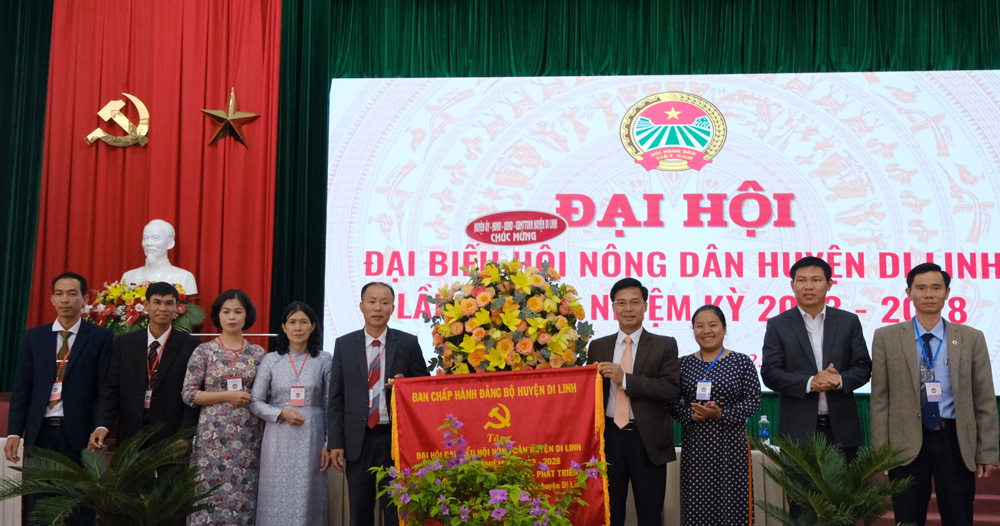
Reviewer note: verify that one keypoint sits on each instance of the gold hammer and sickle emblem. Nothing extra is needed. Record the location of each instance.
(113, 110)
(502, 421)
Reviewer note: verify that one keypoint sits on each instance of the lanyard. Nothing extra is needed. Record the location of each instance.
(723, 351)
(930, 361)
(232, 361)
(149, 372)
(303, 368)
(65, 359)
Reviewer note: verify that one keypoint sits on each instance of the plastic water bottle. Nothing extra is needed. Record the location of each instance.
(764, 428)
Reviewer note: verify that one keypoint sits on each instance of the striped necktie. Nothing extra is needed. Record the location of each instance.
(374, 373)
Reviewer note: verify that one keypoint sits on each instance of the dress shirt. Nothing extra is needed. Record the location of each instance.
(814, 327)
(619, 350)
(370, 354)
(57, 410)
(942, 373)
(162, 339)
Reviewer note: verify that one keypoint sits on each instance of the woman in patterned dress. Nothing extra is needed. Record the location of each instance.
(716, 486)
(291, 394)
(227, 447)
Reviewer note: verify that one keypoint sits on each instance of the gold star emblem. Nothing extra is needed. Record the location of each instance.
(231, 122)
(673, 113)
(251, 359)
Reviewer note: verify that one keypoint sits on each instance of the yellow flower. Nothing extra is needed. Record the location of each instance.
(452, 312)
(482, 318)
(445, 330)
(551, 300)
(512, 266)
(180, 289)
(536, 280)
(462, 369)
(561, 323)
(559, 341)
(493, 275)
(510, 319)
(469, 344)
(536, 303)
(536, 324)
(497, 358)
(520, 281)
(578, 312)
(569, 356)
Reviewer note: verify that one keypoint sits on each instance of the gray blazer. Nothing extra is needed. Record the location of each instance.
(788, 363)
(896, 417)
(349, 384)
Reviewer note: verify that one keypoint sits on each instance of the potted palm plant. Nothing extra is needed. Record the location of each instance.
(137, 485)
(832, 491)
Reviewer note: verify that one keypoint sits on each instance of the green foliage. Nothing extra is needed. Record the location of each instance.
(135, 486)
(467, 489)
(832, 491)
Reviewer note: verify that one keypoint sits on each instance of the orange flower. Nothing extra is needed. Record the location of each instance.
(438, 339)
(471, 326)
(536, 303)
(505, 346)
(525, 346)
(484, 299)
(543, 365)
(536, 280)
(512, 359)
(556, 360)
(508, 304)
(495, 318)
(447, 361)
(479, 333)
(544, 338)
(578, 312)
(469, 306)
(476, 357)
(552, 273)
(457, 328)
(569, 355)
(523, 326)
(564, 309)
(561, 323)
(439, 372)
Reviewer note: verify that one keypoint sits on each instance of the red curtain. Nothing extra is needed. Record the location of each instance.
(177, 57)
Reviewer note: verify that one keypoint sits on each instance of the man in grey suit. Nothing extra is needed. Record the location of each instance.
(641, 374)
(365, 362)
(814, 357)
(932, 396)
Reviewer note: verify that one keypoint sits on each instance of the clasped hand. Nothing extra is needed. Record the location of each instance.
(705, 411)
(826, 380)
(612, 371)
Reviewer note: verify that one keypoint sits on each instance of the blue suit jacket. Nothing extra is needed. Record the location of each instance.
(349, 384)
(36, 371)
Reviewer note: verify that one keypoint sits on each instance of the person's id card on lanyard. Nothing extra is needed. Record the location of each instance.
(703, 391)
(233, 382)
(298, 392)
(933, 387)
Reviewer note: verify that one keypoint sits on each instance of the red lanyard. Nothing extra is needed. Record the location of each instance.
(65, 359)
(303, 368)
(149, 372)
(232, 361)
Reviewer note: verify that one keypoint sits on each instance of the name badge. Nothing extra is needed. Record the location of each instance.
(933, 391)
(234, 383)
(704, 390)
(371, 397)
(149, 397)
(298, 396)
(57, 392)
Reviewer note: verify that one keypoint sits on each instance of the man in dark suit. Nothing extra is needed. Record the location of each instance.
(641, 374)
(59, 371)
(932, 397)
(365, 362)
(814, 357)
(150, 362)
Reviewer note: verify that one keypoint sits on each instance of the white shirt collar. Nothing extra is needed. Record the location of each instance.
(162, 339)
(635, 337)
(75, 329)
(369, 338)
(809, 317)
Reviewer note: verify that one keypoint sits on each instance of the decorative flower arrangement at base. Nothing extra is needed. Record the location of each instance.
(508, 317)
(467, 489)
(122, 308)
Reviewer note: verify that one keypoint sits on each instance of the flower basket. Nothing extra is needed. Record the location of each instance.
(121, 308)
(508, 317)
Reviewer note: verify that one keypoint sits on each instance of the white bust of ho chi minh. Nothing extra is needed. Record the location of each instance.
(157, 239)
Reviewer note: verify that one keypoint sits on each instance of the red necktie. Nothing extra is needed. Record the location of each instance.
(374, 372)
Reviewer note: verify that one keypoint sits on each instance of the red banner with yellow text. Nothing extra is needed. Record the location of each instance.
(557, 409)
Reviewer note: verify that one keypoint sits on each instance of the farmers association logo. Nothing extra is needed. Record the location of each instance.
(673, 131)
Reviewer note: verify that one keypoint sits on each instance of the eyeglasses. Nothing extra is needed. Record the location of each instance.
(635, 304)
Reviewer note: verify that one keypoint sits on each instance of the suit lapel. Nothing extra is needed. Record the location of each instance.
(829, 330)
(361, 356)
(390, 352)
(908, 348)
(954, 343)
(641, 355)
(799, 328)
(167, 357)
(49, 351)
(78, 349)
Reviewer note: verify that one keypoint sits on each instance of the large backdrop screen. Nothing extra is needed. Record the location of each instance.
(706, 188)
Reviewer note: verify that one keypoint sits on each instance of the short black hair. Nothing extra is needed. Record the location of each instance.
(315, 342)
(377, 284)
(714, 308)
(627, 283)
(811, 261)
(243, 298)
(924, 268)
(71, 275)
(162, 288)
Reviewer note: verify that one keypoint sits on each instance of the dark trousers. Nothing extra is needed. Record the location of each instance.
(941, 460)
(376, 450)
(850, 454)
(54, 437)
(627, 461)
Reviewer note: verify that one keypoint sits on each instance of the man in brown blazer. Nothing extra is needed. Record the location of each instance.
(641, 374)
(932, 396)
